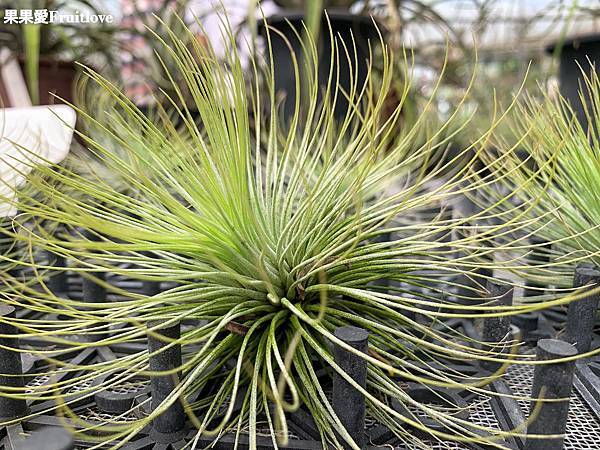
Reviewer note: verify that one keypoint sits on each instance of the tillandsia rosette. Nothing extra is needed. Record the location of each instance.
(267, 236)
(544, 187)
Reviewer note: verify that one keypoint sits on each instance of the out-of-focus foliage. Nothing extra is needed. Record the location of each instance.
(83, 42)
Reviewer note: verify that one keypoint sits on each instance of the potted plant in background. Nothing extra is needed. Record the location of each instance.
(47, 51)
(547, 183)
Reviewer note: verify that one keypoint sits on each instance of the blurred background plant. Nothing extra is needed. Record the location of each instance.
(147, 68)
(553, 183)
(510, 37)
(505, 42)
(43, 48)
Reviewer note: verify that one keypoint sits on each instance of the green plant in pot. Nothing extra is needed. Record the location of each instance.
(268, 236)
(47, 51)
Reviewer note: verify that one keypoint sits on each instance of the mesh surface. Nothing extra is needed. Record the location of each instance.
(95, 414)
(583, 431)
(129, 387)
(38, 381)
(481, 413)
(81, 386)
(433, 445)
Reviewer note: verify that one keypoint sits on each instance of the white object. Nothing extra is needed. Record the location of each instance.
(213, 14)
(30, 137)
(12, 78)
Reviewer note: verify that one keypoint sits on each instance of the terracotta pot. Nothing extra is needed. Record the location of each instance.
(57, 77)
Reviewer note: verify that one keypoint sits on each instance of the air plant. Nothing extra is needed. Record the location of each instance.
(269, 237)
(546, 181)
